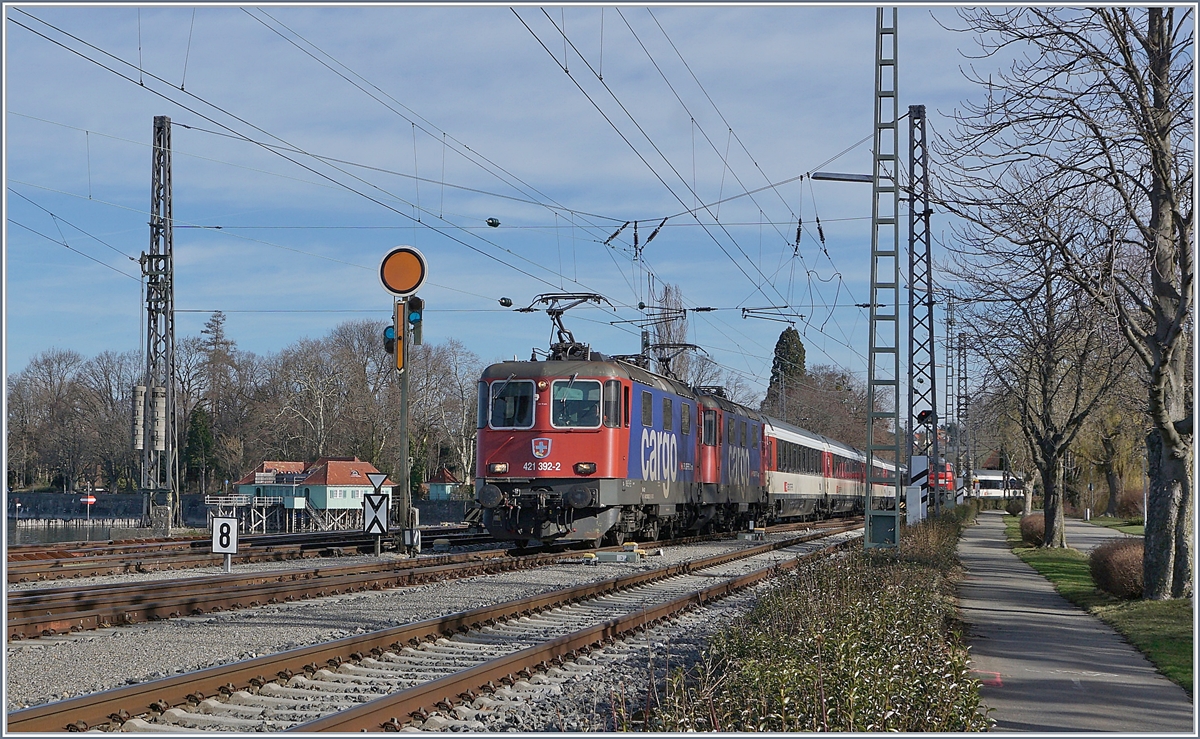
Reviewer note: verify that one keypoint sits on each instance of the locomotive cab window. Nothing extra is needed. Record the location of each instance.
(612, 403)
(512, 404)
(575, 404)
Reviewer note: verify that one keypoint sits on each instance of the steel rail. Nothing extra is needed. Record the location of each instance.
(124, 558)
(391, 712)
(40, 613)
(50, 611)
(118, 704)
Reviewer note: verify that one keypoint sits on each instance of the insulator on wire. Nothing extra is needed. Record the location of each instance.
(655, 231)
(616, 233)
(139, 416)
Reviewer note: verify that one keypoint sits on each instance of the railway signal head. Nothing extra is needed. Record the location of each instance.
(416, 310)
(925, 417)
(389, 340)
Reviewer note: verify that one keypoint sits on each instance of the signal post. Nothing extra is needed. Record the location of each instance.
(402, 272)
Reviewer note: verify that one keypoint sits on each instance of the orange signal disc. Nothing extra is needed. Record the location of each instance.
(402, 271)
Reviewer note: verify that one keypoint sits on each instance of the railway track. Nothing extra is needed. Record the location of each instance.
(382, 680)
(51, 611)
(36, 563)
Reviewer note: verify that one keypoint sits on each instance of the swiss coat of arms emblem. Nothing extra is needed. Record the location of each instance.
(541, 448)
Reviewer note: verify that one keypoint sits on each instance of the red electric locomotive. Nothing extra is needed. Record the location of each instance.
(580, 447)
(580, 450)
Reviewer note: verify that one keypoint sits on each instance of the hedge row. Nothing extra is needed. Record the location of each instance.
(864, 642)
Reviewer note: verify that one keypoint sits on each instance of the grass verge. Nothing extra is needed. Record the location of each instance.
(861, 642)
(1120, 524)
(1161, 630)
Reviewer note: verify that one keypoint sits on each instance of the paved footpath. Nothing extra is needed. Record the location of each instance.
(1046, 665)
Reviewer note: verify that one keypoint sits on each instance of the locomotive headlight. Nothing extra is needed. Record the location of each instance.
(578, 497)
(498, 468)
(541, 385)
(585, 468)
(490, 496)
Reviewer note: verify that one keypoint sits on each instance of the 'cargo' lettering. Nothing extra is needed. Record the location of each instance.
(660, 455)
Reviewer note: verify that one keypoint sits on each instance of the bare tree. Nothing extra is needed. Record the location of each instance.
(313, 389)
(368, 377)
(1096, 105)
(58, 418)
(1044, 344)
(106, 383)
(1112, 439)
(459, 404)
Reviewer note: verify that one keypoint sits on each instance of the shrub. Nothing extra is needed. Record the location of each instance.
(1014, 507)
(1116, 567)
(1033, 529)
(1130, 503)
(861, 642)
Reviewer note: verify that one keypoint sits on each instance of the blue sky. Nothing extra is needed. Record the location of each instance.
(784, 90)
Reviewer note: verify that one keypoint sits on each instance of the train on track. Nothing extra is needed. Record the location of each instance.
(580, 447)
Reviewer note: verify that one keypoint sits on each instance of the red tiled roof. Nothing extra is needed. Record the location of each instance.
(444, 477)
(271, 466)
(341, 471)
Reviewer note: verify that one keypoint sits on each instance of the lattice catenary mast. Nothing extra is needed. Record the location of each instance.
(154, 421)
(883, 358)
(922, 377)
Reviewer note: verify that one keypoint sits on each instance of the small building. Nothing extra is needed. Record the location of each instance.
(442, 484)
(339, 483)
(328, 494)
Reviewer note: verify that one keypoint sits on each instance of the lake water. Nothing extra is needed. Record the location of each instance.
(42, 534)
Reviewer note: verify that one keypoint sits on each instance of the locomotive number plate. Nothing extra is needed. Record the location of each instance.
(543, 466)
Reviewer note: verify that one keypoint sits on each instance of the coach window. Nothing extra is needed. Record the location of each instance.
(575, 404)
(668, 415)
(647, 409)
(612, 403)
(685, 419)
(512, 404)
(708, 434)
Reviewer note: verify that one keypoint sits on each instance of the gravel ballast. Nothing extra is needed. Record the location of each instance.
(49, 669)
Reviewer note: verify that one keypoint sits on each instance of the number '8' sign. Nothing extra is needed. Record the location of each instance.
(224, 535)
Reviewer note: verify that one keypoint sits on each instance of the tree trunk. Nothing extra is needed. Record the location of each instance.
(1115, 485)
(1027, 503)
(1052, 504)
(1167, 566)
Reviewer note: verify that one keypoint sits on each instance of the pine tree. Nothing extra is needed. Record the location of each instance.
(787, 369)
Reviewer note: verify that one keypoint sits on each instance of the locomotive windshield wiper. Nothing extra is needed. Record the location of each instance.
(505, 384)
